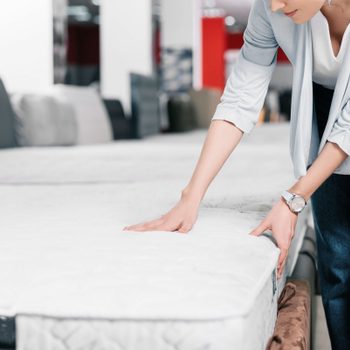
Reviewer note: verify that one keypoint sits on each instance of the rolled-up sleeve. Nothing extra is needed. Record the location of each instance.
(246, 87)
(340, 133)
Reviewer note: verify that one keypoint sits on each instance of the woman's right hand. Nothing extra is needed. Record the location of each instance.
(180, 218)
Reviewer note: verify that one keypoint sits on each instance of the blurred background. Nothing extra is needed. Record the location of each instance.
(157, 65)
(80, 72)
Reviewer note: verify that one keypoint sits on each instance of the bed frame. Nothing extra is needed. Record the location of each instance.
(7, 333)
(306, 270)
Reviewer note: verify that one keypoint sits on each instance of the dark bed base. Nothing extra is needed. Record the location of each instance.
(7, 333)
(306, 270)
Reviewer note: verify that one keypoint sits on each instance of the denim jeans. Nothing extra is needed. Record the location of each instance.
(331, 211)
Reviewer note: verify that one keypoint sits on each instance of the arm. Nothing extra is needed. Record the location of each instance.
(333, 154)
(241, 102)
(222, 138)
(280, 220)
(325, 164)
(247, 85)
(236, 114)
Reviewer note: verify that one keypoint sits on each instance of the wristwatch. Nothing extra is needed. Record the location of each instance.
(295, 202)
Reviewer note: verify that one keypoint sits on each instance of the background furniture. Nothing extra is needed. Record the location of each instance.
(144, 105)
(205, 102)
(7, 120)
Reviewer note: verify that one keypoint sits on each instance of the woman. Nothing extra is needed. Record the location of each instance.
(314, 34)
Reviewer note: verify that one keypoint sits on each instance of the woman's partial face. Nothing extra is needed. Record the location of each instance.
(300, 11)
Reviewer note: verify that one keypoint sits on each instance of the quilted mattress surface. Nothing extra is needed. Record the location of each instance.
(75, 280)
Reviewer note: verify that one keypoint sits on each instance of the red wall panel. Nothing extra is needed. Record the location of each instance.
(214, 46)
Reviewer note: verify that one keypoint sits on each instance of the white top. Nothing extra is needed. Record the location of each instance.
(326, 66)
(246, 88)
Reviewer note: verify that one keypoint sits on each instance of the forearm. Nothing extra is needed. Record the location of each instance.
(221, 140)
(328, 160)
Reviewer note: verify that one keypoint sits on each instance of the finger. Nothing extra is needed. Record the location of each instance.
(151, 226)
(281, 261)
(292, 234)
(136, 226)
(260, 229)
(281, 269)
(184, 228)
(282, 256)
(145, 226)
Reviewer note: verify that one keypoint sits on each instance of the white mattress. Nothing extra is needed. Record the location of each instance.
(75, 280)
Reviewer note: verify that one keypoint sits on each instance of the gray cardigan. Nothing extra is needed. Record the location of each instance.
(247, 85)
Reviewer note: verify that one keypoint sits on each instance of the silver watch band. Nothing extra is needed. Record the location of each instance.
(287, 195)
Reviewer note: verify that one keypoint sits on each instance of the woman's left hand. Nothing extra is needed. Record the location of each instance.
(281, 221)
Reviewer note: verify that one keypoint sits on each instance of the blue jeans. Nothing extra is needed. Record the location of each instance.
(331, 211)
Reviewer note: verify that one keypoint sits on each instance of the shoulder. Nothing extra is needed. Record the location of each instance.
(261, 17)
(283, 29)
(262, 9)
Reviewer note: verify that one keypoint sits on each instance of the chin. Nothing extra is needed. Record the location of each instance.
(298, 21)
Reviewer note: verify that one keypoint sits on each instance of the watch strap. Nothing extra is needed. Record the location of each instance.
(287, 196)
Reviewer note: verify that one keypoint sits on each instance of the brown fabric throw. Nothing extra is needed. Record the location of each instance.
(292, 330)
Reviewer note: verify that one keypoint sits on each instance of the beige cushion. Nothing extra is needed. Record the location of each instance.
(92, 117)
(7, 120)
(44, 120)
(205, 102)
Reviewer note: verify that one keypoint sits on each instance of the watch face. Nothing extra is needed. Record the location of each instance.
(297, 204)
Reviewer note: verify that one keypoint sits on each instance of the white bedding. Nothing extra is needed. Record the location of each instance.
(75, 280)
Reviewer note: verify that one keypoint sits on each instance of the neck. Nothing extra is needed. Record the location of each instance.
(344, 5)
(341, 6)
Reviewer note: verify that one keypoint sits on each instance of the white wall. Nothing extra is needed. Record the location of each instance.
(126, 45)
(177, 23)
(181, 28)
(197, 44)
(236, 8)
(26, 41)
